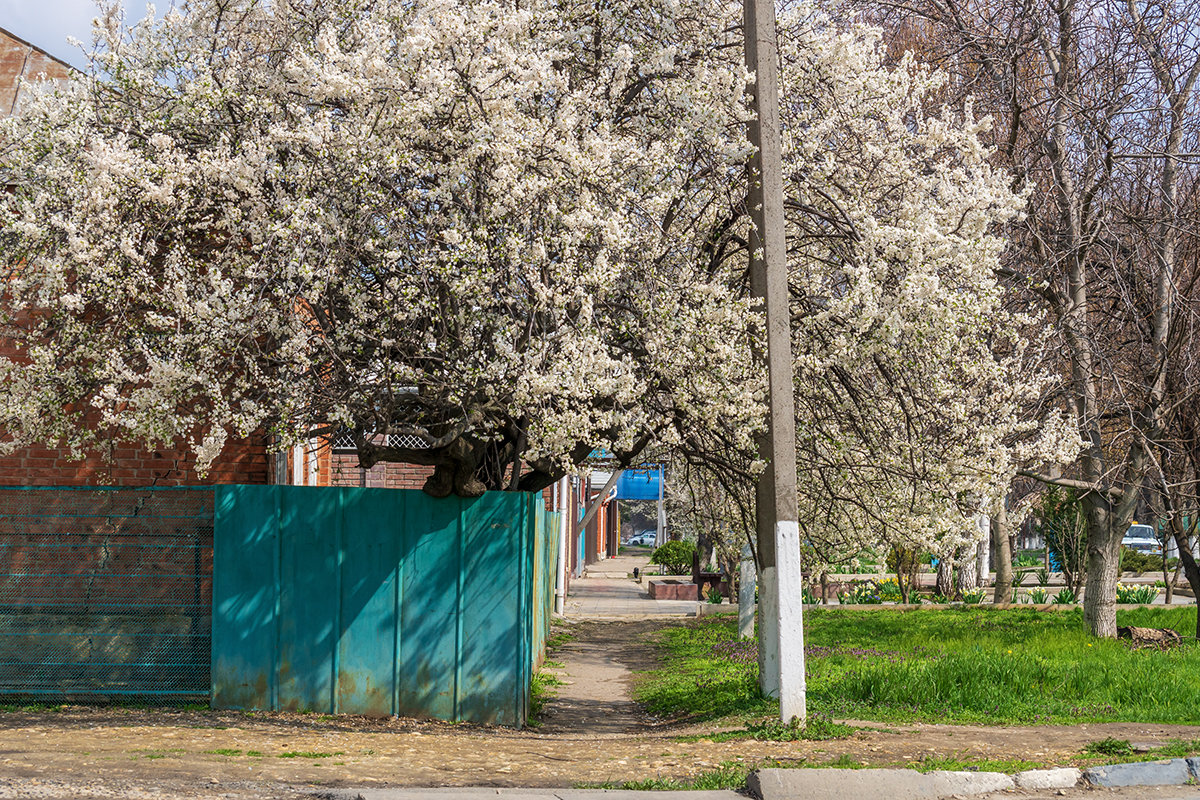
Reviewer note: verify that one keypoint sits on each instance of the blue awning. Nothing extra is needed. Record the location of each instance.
(639, 484)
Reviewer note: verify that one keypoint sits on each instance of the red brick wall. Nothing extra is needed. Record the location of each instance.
(344, 471)
(242, 461)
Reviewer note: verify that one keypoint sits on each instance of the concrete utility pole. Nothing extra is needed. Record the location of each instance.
(780, 626)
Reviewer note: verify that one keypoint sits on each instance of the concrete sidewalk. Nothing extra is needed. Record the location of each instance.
(620, 597)
(608, 591)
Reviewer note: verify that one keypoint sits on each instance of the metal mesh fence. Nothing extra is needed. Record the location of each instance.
(105, 594)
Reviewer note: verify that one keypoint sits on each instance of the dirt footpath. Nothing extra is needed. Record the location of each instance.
(592, 733)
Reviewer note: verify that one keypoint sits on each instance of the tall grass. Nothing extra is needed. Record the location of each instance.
(962, 665)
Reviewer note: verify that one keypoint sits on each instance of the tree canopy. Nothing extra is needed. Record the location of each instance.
(517, 233)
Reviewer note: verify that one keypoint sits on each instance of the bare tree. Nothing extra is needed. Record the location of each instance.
(1095, 107)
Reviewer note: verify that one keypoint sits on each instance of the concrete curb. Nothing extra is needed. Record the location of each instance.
(1167, 772)
(1042, 779)
(483, 793)
(895, 784)
(833, 784)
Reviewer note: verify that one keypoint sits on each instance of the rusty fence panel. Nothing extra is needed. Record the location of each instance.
(105, 593)
(378, 601)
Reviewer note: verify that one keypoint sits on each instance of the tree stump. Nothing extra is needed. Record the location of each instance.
(1161, 638)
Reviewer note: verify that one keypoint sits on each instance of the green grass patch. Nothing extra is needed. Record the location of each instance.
(971, 664)
(541, 693)
(1109, 747)
(816, 729)
(558, 639)
(952, 764)
(1178, 748)
(728, 775)
(309, 754)
(224, 751)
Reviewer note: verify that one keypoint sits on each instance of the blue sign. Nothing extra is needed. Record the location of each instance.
(639, 484)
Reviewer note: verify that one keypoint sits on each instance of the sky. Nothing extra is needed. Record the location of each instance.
(48, 23)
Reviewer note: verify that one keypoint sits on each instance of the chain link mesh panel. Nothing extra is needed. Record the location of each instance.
(106, 594)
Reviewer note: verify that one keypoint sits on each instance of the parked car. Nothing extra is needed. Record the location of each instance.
(643, 539)
(1142, 539)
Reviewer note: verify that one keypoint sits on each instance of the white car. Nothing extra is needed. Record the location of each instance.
(643, 539)
(1142, 539)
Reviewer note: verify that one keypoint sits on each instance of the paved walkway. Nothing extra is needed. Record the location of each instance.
(609, 597)
(608, 591)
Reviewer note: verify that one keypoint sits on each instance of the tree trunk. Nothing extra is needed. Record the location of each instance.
(1104, 550)
(945, 576)
(1191, 570)
(1168, 579)
(968, 575)
(1004, 587)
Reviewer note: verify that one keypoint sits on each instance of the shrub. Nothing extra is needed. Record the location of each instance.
(1133, 561)
(714, 595)
(1026, 559)
(674, 557)
(1065, 526)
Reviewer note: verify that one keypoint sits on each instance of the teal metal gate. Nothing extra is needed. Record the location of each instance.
(380, 601)
(105, 593)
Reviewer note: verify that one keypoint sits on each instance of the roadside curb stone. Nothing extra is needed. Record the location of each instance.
(1059, 778)
(488, 793)
(1168, 772)
(895, 784)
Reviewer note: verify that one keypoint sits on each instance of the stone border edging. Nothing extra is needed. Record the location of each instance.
(908, 784)
(897, 784)
(1165, 772)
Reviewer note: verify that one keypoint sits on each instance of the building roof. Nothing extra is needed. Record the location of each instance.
(19, 60)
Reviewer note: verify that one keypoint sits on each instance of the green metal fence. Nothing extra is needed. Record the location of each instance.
(379, 601)
(373, 601)
(105, 593)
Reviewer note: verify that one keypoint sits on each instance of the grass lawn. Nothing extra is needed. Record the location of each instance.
(1010, 666)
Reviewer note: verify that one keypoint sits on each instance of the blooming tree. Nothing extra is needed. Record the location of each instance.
(515, 232)
(472, 222)
(916, 387)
